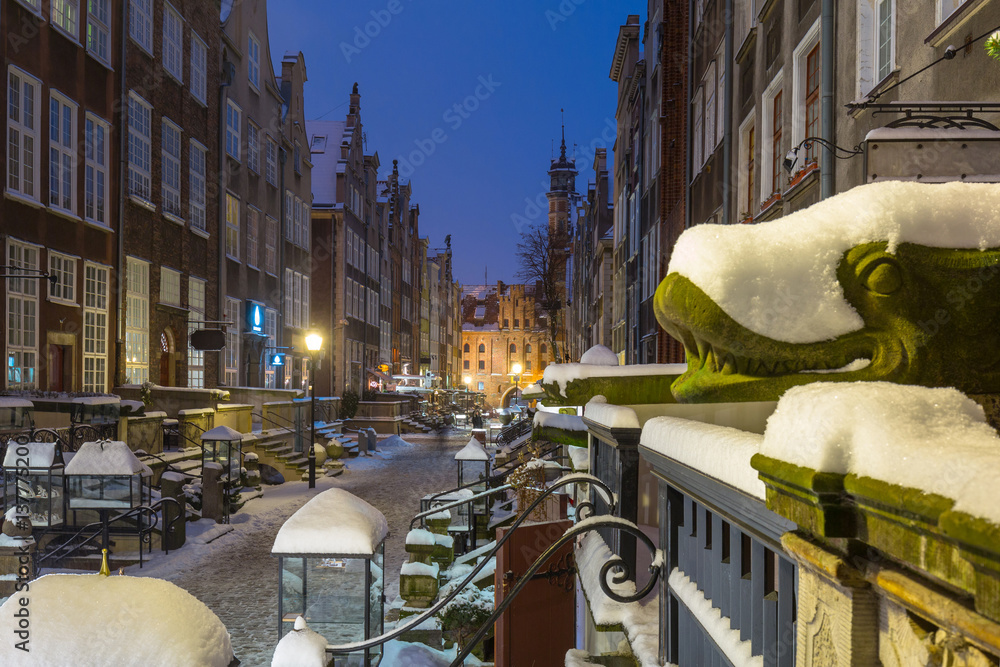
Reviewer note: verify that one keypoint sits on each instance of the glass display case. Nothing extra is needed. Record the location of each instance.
(105, 475)
(33, 480)
(223, 445)
(331, 559)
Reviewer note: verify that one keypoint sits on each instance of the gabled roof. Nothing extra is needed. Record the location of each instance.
(325, 160)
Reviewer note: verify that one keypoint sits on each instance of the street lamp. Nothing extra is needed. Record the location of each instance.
(792, 156)
(314, 343)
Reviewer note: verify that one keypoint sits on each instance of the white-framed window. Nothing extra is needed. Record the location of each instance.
(306, 226)
(137, 321)
(140, 23)
(62, 152)
(770, 137)
(171, 168)
(196, 198)
(876, 43)
(271, 331)
(234, 124)
(34, 5)
(289, 279)
(296, 299)
(271, 245)
(697, 131)
(946, 8)
(99, 29)
(271, 171)
(139, 146)
(63, 268)
(66, 16)
(253, 228)
(173, 42)
(746, 168)
(304, 318)
(289, 216)
(710, 87)
(199, 60)
(95, 327)
(196, 316)
(97, 133)
(297, 231)
(170, 286)
(23, 101)
(232, 226)
(805, 91)
(253, 61)
(22, 318)
(232, 349)
(253, 146)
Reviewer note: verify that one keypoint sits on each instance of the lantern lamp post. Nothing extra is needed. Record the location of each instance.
(314, 343)
(515, 370)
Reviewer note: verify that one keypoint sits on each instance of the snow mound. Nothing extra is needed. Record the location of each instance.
(421, 536)
(117, 620)
(599, 355)
(612, 416)
(779, 278)
(395, 441)
(473, 451)
(404, 654)
(301, 647)
(935, 440)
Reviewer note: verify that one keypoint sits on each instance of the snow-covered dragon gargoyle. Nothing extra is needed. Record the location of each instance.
(893, 281)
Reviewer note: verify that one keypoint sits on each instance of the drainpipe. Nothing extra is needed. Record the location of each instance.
(280, 328)
(228, 74)
(727, 119)
(688, 167)
(122, 190)
(826, 175)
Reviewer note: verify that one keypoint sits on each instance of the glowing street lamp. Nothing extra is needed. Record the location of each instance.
(314, 343)
(515, 370)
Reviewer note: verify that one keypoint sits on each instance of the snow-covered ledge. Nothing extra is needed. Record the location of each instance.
(639, 621)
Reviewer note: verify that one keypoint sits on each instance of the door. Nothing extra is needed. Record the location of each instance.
(60, 367)
(539, 626)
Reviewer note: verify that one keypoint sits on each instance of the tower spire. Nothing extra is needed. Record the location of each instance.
(562, 147)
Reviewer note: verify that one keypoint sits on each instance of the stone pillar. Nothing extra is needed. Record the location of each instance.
(212, 492)
(172, 486)
(838, 615)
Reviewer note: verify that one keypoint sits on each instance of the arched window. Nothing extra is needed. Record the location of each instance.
(466, 348)
(513, 348)
(499, 388)
(482, 348)
(527, 348)
(545, 348)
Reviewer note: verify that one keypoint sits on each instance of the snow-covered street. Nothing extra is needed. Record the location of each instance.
(235, 574)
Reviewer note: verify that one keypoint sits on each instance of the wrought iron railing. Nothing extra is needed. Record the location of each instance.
(516, 430)
(614, 459)
(586, 521)
(69, 546)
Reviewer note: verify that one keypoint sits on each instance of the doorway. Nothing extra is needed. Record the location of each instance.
(60, 367)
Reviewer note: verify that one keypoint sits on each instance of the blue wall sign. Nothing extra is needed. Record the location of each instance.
(255, 317)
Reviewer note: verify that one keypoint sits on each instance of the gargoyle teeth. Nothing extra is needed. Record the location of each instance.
(729, 367)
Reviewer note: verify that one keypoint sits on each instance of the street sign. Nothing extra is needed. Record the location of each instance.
(276, 359)
(208, 340)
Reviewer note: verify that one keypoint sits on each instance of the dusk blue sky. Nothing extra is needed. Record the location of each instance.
(433, 54)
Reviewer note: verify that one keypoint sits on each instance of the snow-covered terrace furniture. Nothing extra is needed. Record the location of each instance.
(33, 482)
(331, 555)
(106, 475)
(473, 464)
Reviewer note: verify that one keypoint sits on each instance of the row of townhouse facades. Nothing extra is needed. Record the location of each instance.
(713, 95)
(161, 167)
(154, 166)
(385, 300)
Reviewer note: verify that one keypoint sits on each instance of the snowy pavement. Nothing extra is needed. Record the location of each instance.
(235, 574)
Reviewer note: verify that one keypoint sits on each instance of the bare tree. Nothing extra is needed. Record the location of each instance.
(541, 254)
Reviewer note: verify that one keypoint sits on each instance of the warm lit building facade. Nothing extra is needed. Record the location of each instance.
(502, 325)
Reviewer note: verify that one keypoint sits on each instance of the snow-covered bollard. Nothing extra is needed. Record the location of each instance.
(301, 647)
(418, 579)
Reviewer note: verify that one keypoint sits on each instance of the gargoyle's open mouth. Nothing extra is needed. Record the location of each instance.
(728, 362)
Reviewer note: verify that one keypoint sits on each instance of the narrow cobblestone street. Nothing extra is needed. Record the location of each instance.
(237, 577)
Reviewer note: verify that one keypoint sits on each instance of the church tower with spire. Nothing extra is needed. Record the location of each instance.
(563, 199)
(562, 190)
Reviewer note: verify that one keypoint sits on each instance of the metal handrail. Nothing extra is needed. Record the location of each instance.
(143, 533)
(512, 432)
(170, 466)
(459, 503)
(266, 419)
(413, 621)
